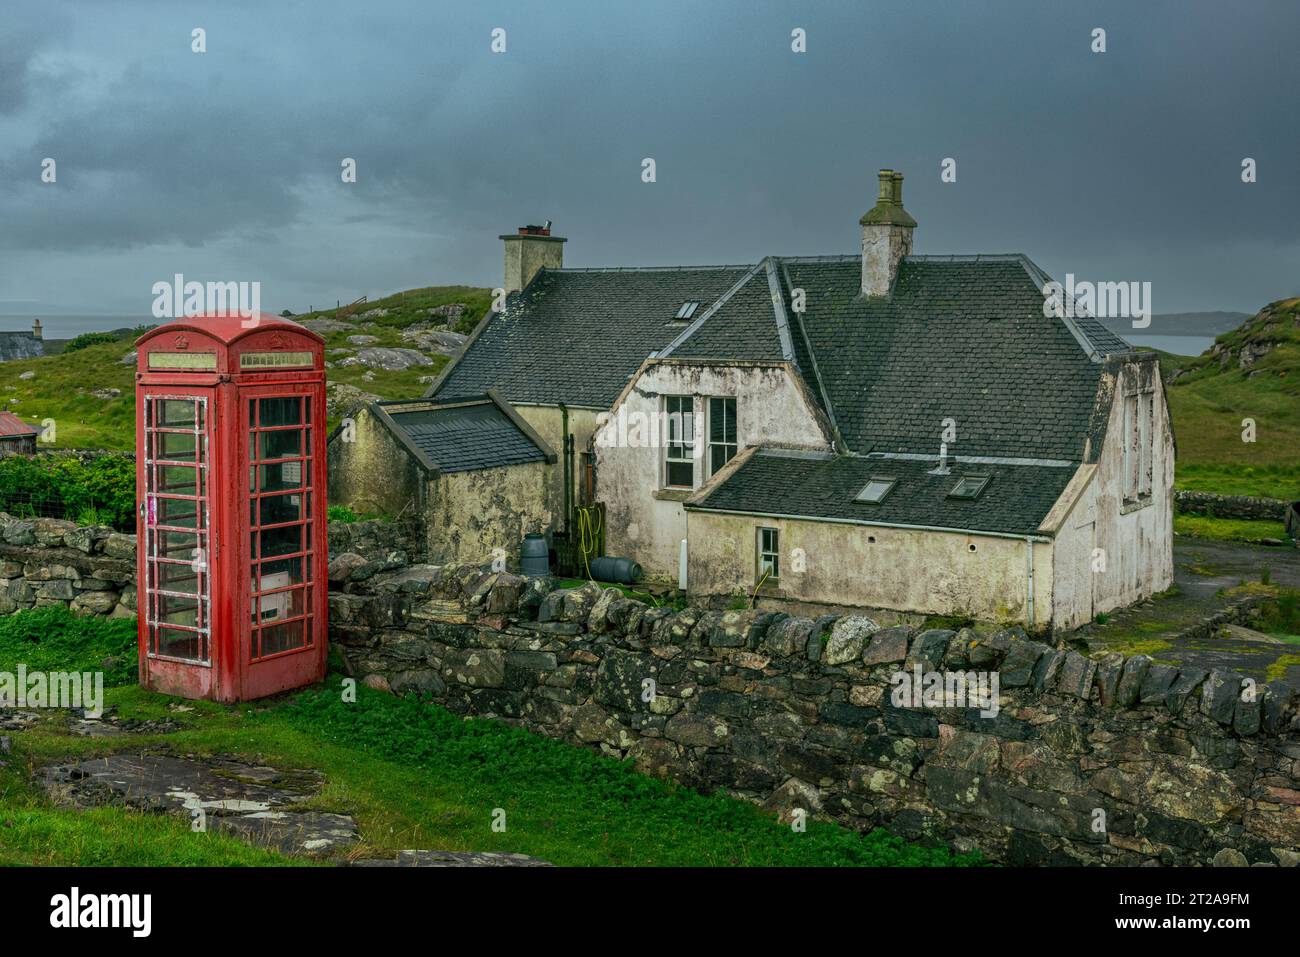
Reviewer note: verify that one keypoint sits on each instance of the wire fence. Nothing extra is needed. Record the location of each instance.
(42, 503)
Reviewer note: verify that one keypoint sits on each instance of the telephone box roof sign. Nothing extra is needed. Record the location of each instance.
(222, 345)
(230, 480)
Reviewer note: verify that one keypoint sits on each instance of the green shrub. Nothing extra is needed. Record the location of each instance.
(89, 339)
(341, 513)
(102, 488)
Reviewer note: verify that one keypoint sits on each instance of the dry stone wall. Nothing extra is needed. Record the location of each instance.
(1229, 506)
(47, 561)
(1120, 761)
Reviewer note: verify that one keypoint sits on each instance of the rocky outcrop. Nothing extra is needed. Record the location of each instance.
(1076, 759)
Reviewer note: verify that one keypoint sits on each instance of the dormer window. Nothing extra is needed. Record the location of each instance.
(969, 486)
(687, 310)
(876, 489)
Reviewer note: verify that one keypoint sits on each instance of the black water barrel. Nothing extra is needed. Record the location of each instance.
(534, 556)
(621, 570)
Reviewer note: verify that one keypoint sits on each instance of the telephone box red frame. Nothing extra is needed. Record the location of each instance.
(220, 581)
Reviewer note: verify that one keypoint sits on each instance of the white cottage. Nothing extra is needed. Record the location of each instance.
(880, 429)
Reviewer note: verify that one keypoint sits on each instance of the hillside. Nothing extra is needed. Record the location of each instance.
(1251, 372)
(399, 344)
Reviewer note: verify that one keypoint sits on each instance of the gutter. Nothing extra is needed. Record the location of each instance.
(1016, 536)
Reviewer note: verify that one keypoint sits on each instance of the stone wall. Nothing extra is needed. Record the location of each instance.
(47, 561)
(1229, 506)
(1110, 761)
(396, 542)
(91, 569)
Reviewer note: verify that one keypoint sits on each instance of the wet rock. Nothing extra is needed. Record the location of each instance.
(388, 359)
(848, 639)
(1219, 696)
(887, 645)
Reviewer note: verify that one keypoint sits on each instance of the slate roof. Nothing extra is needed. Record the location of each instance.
(820, 485)
(463, 435)
(577, 336)
(959, 337)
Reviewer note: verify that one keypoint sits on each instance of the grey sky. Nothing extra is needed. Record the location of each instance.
(225, 165)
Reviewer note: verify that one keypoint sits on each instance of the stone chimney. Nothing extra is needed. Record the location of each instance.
(886, 236)
(36, 329)
(527, 251)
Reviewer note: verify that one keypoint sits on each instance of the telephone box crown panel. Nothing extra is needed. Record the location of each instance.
(230, 473)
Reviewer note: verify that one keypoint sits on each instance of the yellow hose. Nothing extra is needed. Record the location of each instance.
(589, 527)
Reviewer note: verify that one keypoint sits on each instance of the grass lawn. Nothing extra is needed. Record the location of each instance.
(411, 773)
(1228, 529)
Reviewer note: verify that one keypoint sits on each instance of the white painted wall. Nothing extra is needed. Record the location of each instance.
(643, 520)
(1136, 538)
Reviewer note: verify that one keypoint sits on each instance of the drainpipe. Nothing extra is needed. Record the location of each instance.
(567, 451)
(1029, 579)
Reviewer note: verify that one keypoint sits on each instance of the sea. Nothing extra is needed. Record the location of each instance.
(1178, 345)
(69, 327)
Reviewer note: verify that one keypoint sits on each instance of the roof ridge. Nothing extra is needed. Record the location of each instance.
(706, 268)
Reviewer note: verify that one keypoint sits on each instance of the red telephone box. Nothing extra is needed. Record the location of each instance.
(230, 479)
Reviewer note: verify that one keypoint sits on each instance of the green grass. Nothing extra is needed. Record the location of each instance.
(52, 639)
(1228, 529)
(1208, 403)
(413, 775)
(61, 389)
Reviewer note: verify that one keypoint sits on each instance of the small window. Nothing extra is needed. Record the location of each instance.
(679, 451)
(722, 432)
(969, 486)
(876, 489)
(687, 310)
(769, 554)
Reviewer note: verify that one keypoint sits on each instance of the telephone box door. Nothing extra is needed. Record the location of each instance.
(281, 486)
(176, 541)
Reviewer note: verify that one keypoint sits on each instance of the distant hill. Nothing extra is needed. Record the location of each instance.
(1180, 324)
(389, 348)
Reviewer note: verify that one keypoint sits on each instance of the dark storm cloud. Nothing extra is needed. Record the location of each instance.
(1123, 165)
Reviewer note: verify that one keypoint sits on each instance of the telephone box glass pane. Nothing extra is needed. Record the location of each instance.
(280, 411)
(283, 637)
(281, 444)
(281, 541)
(280, 573)
(176, 414)
(177, 577)
(175, 446)
(178, 479)
(178, 610)
(174, 643)
(277, 509)
(180, 512)
(281, 475)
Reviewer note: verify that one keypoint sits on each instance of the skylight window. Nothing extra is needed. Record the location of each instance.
(687, 310)
(877, 487)
(969, 486)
